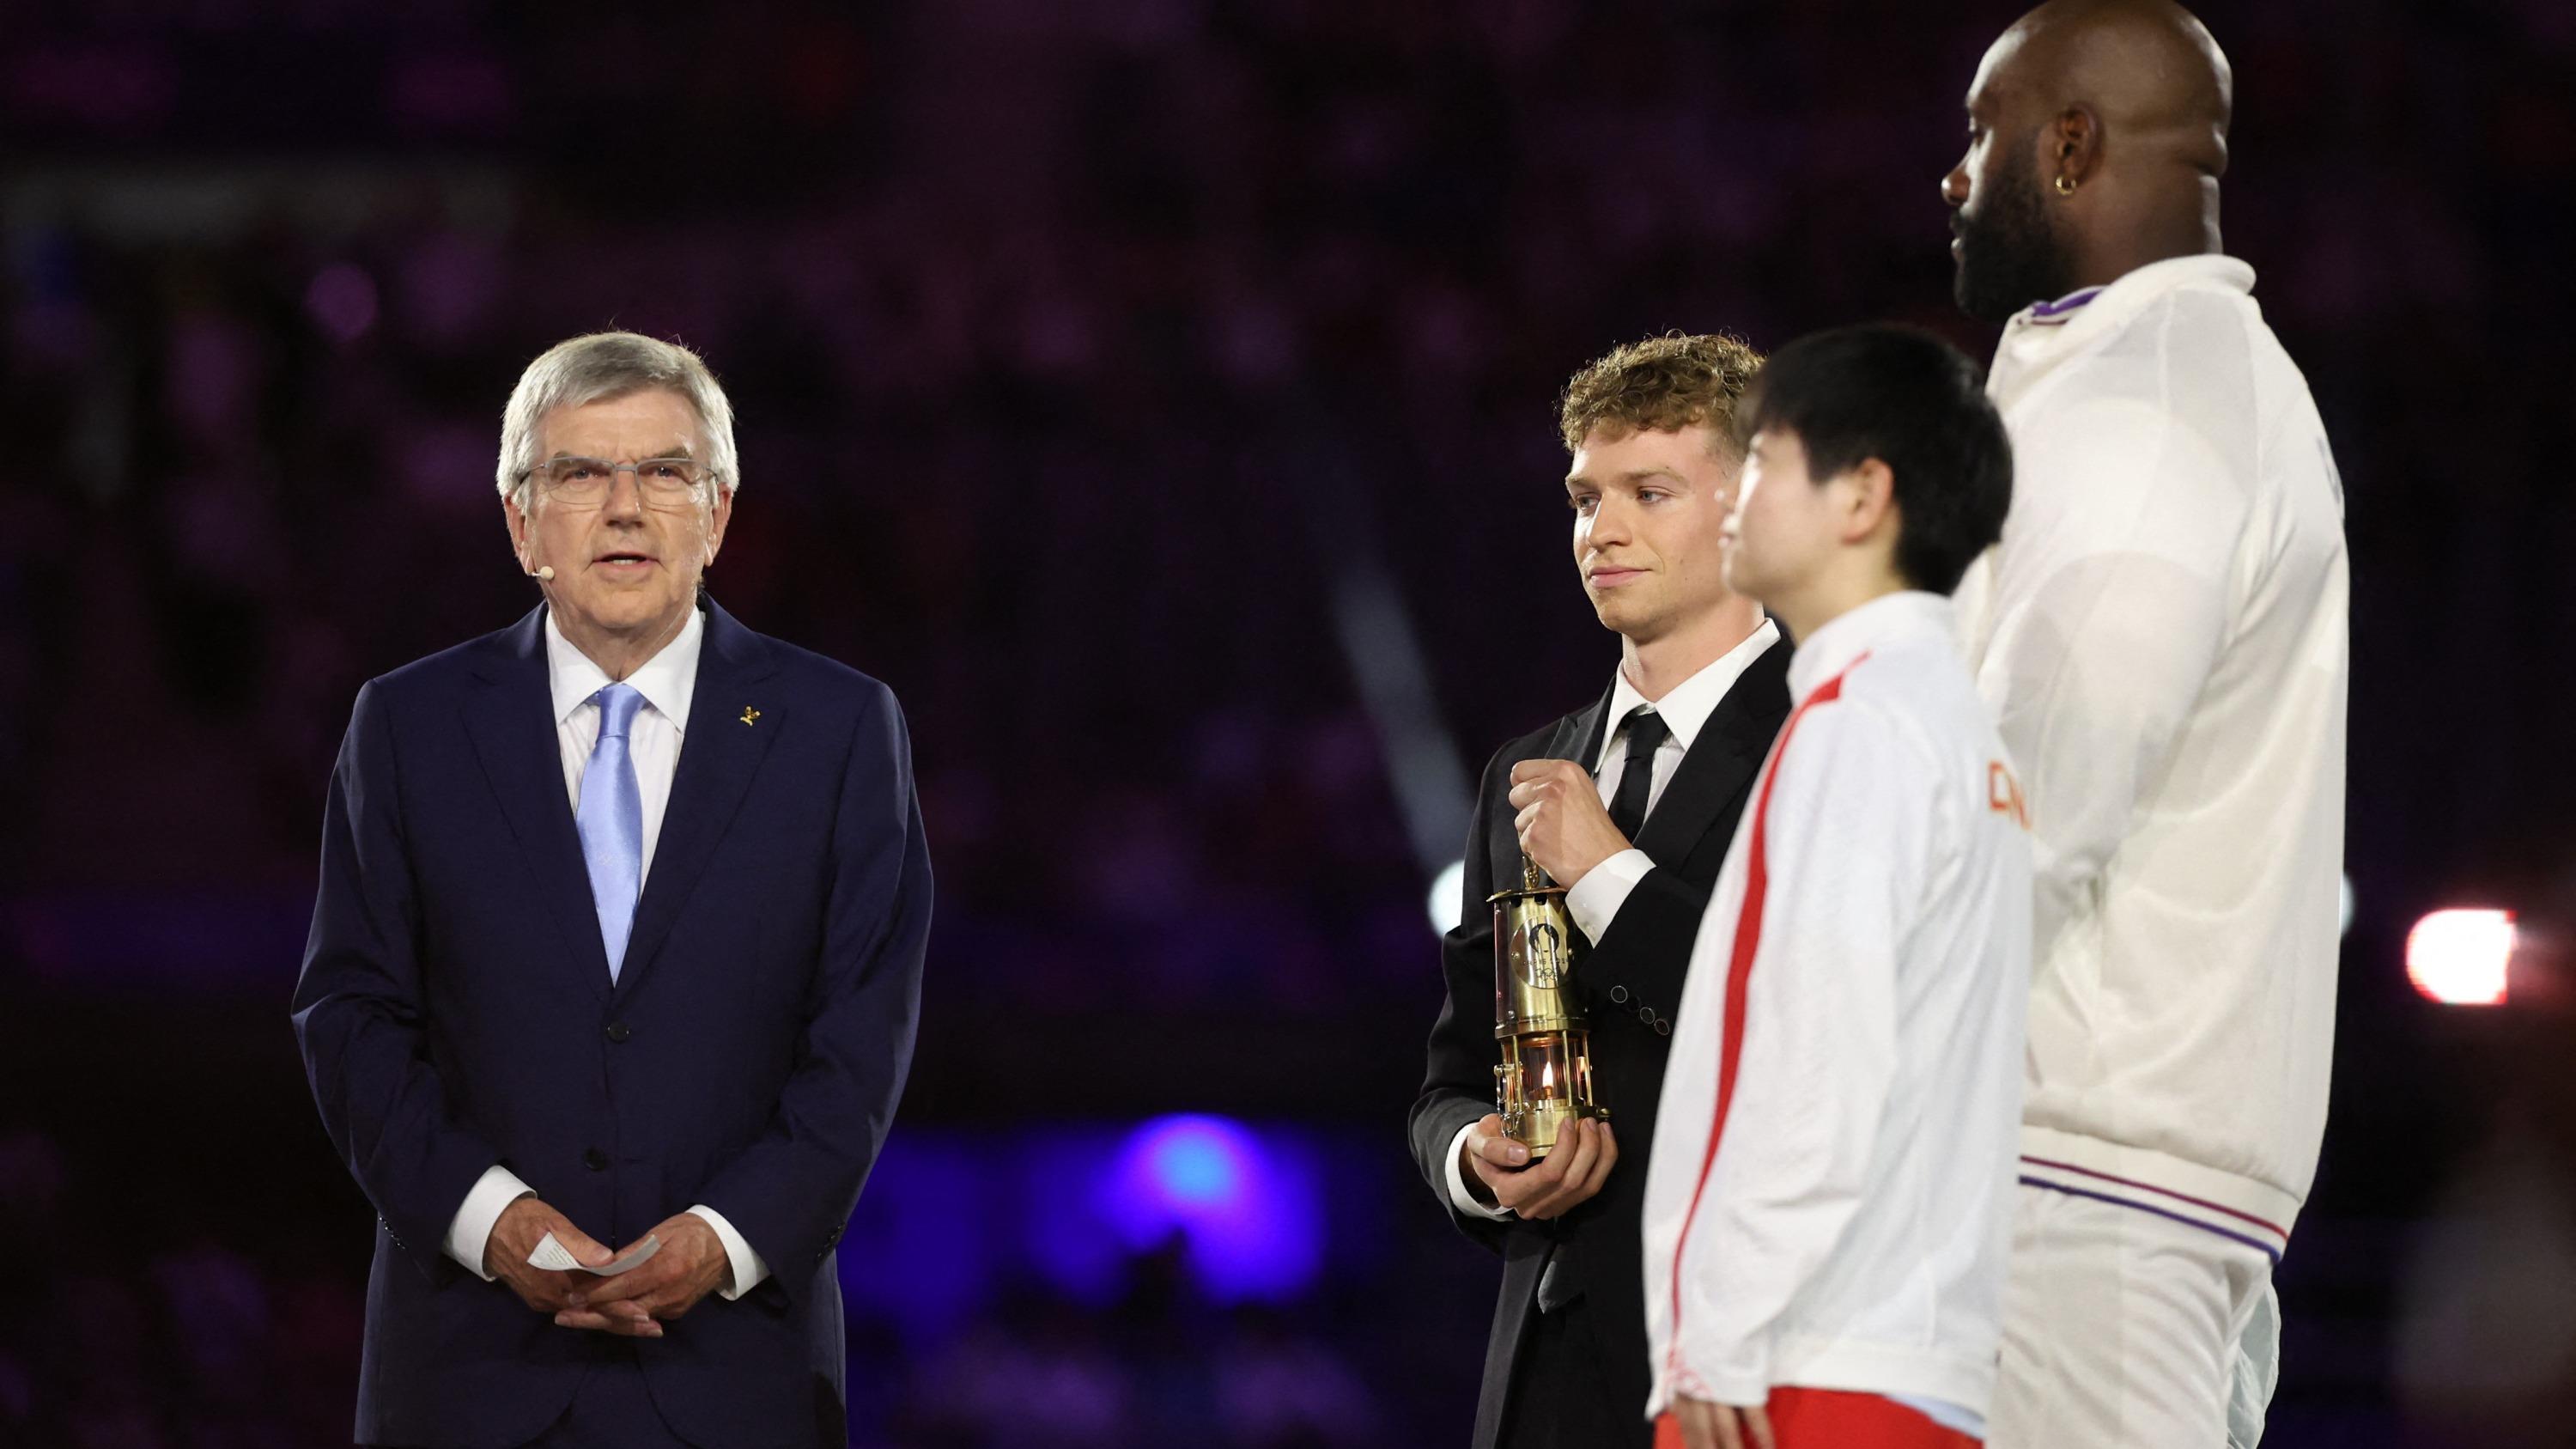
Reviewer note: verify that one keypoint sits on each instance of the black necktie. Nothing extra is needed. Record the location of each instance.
(1646, 731)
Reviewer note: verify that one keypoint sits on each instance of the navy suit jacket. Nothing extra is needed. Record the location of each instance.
(455, 1011)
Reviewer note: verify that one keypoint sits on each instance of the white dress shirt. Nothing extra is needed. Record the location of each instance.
(1595, 899)
(667, 681)
(1835, 1211)
(2161, 633)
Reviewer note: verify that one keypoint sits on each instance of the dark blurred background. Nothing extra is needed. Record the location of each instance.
(1159, 395)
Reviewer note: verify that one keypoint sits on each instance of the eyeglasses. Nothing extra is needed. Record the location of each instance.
(666, 483)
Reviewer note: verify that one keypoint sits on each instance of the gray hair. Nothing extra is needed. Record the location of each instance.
(599, 367)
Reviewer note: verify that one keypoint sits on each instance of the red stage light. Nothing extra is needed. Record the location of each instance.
(2458, 957)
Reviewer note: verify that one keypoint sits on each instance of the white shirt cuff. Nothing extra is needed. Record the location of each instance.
(1595, 900)
(1459, 1197)
(471, 1228)
(748, 1270)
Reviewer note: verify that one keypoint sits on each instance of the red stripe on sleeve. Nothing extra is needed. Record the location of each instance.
(1739, 975)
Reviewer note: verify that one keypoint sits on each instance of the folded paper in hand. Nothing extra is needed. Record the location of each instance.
(555, 1257)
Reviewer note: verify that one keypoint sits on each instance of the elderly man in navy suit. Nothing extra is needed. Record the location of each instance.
(619, 935)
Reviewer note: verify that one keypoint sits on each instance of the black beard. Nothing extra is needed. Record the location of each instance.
(2009, 254)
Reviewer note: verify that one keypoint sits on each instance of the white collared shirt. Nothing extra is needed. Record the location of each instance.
(1595, 899)
(668, 681)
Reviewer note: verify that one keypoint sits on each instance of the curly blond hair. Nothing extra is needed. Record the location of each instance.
(1661, 384)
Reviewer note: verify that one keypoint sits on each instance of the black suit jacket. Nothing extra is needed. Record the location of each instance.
(1627, 981)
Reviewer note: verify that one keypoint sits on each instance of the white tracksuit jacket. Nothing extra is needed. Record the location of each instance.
(1835, 1212)
(2161, 633)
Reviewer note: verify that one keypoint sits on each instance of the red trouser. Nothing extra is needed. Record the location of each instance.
(1833, 1419)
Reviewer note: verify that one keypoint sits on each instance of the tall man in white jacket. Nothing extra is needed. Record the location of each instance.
(2162, 635)
(1829, 1201)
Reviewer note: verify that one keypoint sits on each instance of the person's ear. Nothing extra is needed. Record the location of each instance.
(516, 520)
(717, 519)
(2074, 142)
(1869, 499)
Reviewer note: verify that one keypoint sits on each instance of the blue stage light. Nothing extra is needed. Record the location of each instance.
(1247, 1204)
(1196, 1162)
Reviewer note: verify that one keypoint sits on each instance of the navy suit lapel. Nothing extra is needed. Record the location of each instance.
(511, 720)
(1729, 750)
(731, 723)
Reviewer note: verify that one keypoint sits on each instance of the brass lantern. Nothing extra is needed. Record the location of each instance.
(1544, 1079)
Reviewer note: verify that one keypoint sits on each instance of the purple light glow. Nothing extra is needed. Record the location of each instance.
(1247, 1207)
(1196, 1162)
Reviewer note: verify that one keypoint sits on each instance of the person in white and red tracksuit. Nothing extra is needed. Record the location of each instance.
(1828, 1210)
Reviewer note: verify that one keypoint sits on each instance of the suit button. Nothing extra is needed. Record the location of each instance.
(1645, 1013)
(1619, 994)
(594, 1159)
(619, 1031)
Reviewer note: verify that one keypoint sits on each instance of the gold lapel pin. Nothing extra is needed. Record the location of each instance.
(750, 716)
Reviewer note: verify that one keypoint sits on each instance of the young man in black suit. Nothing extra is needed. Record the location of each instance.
(1630, 804)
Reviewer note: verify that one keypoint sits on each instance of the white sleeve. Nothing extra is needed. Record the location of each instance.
(1460, 1198)
(1594, 901)
(748, 1269)
(471, 1228)
(1844, 845)
(2112, 598)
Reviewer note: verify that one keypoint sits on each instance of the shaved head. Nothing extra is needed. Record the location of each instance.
(2148, 70)
(2097, 132)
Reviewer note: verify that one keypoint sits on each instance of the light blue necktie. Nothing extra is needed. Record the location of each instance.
(611, 820)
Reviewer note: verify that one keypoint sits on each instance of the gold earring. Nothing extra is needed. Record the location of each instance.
(2064, 186)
